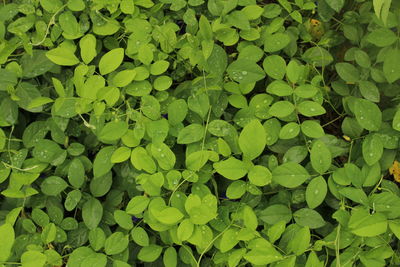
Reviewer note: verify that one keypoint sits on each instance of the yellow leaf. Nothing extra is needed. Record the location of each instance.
(345, 137)
(395, 171)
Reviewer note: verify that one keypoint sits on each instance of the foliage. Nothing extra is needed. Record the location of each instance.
(199, 133)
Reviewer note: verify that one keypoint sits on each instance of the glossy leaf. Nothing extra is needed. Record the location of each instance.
(111, 60)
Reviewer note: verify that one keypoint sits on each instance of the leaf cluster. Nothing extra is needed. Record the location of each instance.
(199, 133)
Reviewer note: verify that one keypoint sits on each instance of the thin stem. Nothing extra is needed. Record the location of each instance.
(51, 22)
(337, 243)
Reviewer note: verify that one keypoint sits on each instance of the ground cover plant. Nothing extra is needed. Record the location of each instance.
(199, 133)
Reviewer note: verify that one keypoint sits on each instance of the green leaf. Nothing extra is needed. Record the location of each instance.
(231, 168)
(289, 131)
(40, 217)
(369, 91)
(78, 255)
(87, 45)
(217, 61)
(21, 25)
(177, 111)
(300, 241)
(295, 154)
(170, 258)
(39, 101)
(318, 56)
(191, 134)
(348, 72)
(196, 160)
(113, 131)
(169, 216)
(149, 253)
(140, 236)
(262, 252)
(53, 185)
(239, 20)
(205, 30)
(76, 173)
(321, 157)
(124, 78)
(140, 159)
(259, 175)
(65, 107)
(95, 259)
(236, 189)
(250, 218)
(35, 132)
(308, 217)
(276, 230)
(382, 37)
(49, 152)
(33, 258)
(355, 174)
(159, 67)
(363, 224)
(221, 128)
(145, 54)
(275, 42)
(275, 67)
(137, 205)
(111, 60)
(162, 83)
(97, 237)
(252, 140)
(76, 5)
(316, 192)
(391, 68)
(35, 64)
(290, 175)
(62, 56)
(293, 71)
(121, 154)
(69, 24)
(372, 149)
(276, 213)
(313, 260)
(245, 71)
(386, 203)
(102, 163)
(395, 228)
(99, 186)
(12, 216)
(123, 219)
(229, 240)
(281, 109)
(150, 107)
(312, 129)
(279, 88)
(51, 6)
(251, 52)
(381, 8)
(127, 7)
(396, 120)
(92, 212)
(185, 230)
(368, 114)
(72, 199)
(336, 5)
(49, 233)
(116, 243)
(164, 155)
(8, 235)
(310, 108)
